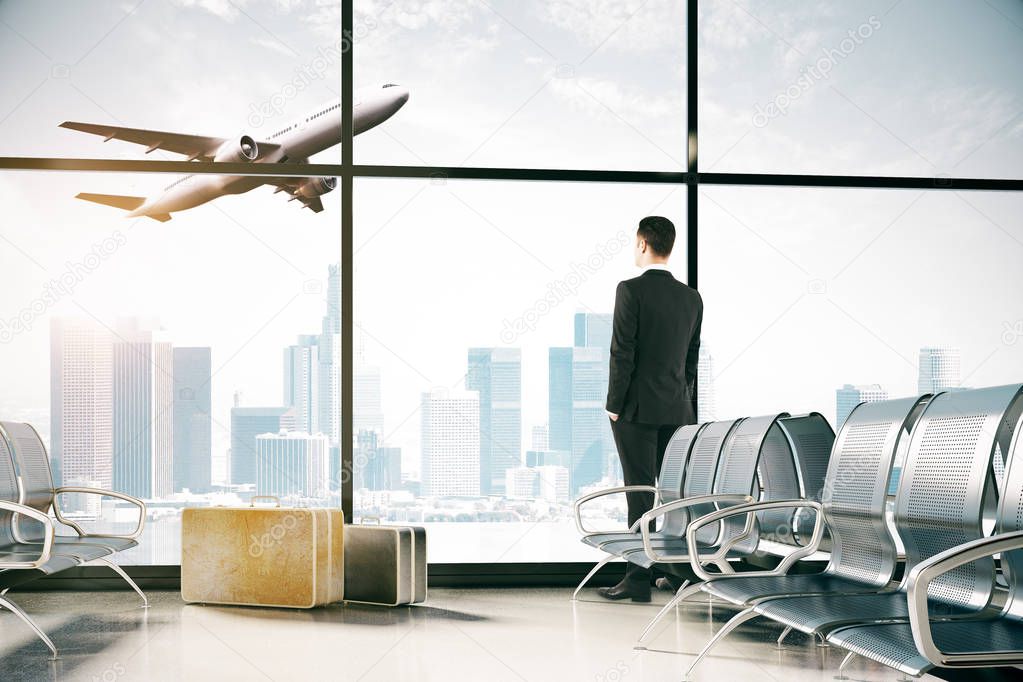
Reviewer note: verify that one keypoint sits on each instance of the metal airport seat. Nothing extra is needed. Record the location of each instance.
(811, 440)
(939, 504)
(38, 492)
(863, 557)
(853, 493)
(757, 460)
(670, 489)
(916, 647)
(21, 563)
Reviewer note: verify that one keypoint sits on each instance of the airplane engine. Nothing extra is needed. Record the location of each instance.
(317, 187)
(239, 150)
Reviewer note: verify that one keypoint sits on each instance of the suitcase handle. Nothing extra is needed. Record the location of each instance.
(252, 500)
(364, 519)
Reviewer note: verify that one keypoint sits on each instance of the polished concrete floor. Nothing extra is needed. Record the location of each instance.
(472, 634)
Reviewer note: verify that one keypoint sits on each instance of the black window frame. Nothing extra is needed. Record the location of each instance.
(347, 171)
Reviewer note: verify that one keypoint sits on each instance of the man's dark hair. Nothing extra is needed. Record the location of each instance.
(659, 234)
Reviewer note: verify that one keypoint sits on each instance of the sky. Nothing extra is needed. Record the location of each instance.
(806, 289)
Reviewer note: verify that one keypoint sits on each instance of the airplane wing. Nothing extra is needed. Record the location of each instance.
(290, 185)
(193, 146)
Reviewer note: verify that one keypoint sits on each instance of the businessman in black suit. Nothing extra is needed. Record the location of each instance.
(655, 348)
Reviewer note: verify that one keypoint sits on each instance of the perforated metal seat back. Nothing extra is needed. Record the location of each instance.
(779, 480)
(856, 488)
(8, 489)
(1010, 518)
(33, 468)
(702, 467)
(737, 471)
(812, 439)
(673, 468)
(940, 500)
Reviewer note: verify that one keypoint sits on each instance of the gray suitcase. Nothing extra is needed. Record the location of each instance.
(385, 564)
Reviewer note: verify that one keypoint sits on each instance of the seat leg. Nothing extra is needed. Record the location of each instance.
(16, 610)
(841, 668)
(822, 642)
(593, 572)
(127, 579)
(784, 634)
(737, 620)
(683, 593)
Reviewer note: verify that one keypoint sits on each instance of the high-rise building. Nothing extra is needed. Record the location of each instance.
(450, 443)
(193, 423)
(705, 403)
(81, 402)
(367, 410)
(292, 464)
(301, 381)
(539, 440)
(593, 330)
(593, 451)
(496, 375)
(376, 467)
(143, 410)
(559, 402)
(939, 369)
(329, 356)
(520, 483)
(246, 424)
(849, 396)
(577, 385)
(552, 483)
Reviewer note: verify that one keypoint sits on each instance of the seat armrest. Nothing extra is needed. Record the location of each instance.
(42, 518)
(106, 493)
(750, 509)
(644, 521)
(919, 580)
(610, 491)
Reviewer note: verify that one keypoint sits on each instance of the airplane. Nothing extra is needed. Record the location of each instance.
(294, 143)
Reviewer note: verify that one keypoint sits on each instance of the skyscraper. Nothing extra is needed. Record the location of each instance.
(450, 443)
(496, 375)
(577, 421)
(193, 424)
(246, 424)
(367, 412)
(849, 396)
(539, 440)
(376, 468)
(329, 356)
(559, 402)
(292, 463)
(143, 410)
(593, 451)
(939, 369)
(705, 403)
(301, 381)
(593, 330)
(81, 402)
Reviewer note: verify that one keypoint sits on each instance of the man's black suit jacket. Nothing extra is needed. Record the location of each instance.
(655, 349)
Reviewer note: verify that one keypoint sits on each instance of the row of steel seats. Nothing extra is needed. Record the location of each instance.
(962, 470)
(30, 547)
(714, 465)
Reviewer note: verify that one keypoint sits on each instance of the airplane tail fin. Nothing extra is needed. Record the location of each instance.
(121, 202)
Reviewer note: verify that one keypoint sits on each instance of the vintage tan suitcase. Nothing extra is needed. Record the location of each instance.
(385, 564)
(262, 556)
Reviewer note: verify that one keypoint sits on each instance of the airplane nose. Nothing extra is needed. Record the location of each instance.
(403, 95)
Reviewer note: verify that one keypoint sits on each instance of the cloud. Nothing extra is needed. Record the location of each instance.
(626, 25)
(225, 9)
(273, 45)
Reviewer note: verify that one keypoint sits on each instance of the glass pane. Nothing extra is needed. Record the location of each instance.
(817, 299)
(149, 355)
(481, 357)
(526, 84)
(920, 87)
(204, 79)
